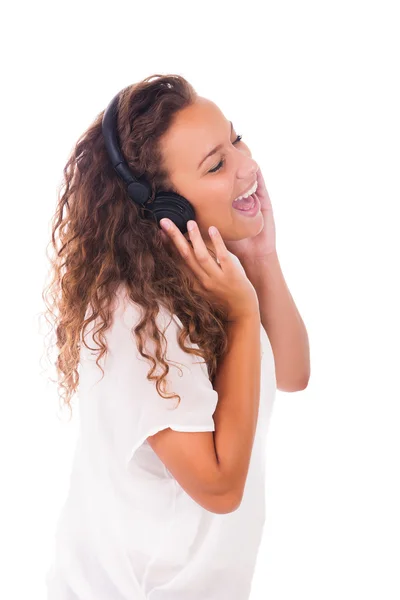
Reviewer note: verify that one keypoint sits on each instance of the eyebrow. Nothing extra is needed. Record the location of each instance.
(215, 149)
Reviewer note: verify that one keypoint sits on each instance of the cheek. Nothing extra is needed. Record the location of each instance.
(213, 197)
(212, 202)
(220, 188)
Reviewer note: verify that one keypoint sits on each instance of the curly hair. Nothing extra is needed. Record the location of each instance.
(101, 241)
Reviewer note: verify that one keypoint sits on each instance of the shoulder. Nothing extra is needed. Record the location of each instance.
(127, 314)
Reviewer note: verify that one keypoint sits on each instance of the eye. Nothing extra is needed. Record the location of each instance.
(220, 164)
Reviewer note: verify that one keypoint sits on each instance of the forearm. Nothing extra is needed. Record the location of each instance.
(238, 385)
(282, 322)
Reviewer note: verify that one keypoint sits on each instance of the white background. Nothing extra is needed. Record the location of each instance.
(313, 87)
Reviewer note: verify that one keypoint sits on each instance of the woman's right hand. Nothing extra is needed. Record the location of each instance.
(225, 282)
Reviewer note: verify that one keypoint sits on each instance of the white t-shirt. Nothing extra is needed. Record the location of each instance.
(128, 530)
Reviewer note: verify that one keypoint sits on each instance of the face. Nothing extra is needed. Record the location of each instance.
(211, 184)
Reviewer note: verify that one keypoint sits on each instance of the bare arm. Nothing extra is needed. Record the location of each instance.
(238, 386)
(212, 466)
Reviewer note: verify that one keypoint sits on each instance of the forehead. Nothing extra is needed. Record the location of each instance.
(196, 130)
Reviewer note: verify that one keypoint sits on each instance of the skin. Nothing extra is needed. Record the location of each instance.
(196, 130)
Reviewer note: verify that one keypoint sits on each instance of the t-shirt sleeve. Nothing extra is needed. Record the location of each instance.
(139, 410)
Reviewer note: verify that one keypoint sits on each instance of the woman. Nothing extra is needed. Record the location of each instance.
(166, 497)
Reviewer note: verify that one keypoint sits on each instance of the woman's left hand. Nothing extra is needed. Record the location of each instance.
(259, 246)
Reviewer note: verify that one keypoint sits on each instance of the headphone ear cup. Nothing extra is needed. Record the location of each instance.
(174, 207)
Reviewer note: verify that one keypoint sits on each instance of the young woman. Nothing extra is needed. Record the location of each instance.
(166, 496)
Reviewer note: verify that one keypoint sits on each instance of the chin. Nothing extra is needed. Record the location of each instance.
(251, 225)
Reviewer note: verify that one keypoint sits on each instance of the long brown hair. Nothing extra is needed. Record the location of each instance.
(100, 240)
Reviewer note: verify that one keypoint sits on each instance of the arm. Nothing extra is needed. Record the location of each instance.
(238, 385)
(282, 322)
(212, 466)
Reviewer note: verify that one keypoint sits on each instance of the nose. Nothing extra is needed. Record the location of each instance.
(248, 172)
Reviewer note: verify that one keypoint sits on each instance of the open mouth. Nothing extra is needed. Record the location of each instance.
(246, 200)
(246, 204)
(250, 207)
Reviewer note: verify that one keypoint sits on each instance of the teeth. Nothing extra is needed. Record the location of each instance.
(249, 193)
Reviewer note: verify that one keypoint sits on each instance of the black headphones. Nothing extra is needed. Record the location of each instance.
(165, 204)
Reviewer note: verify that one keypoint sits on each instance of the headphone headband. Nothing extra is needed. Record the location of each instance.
(166, 204)
(138, 191)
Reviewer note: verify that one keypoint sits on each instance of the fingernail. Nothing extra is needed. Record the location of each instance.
(191, 225)
(165, 223)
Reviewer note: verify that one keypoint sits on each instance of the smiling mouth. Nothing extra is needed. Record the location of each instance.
(252, 189)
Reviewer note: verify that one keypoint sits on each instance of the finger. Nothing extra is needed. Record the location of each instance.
(197, 257)
(164, 236)
(175, 235)
(220, 248)
(199, 247)
(206, 260)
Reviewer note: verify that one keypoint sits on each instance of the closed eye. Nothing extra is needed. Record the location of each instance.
(220, 164)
